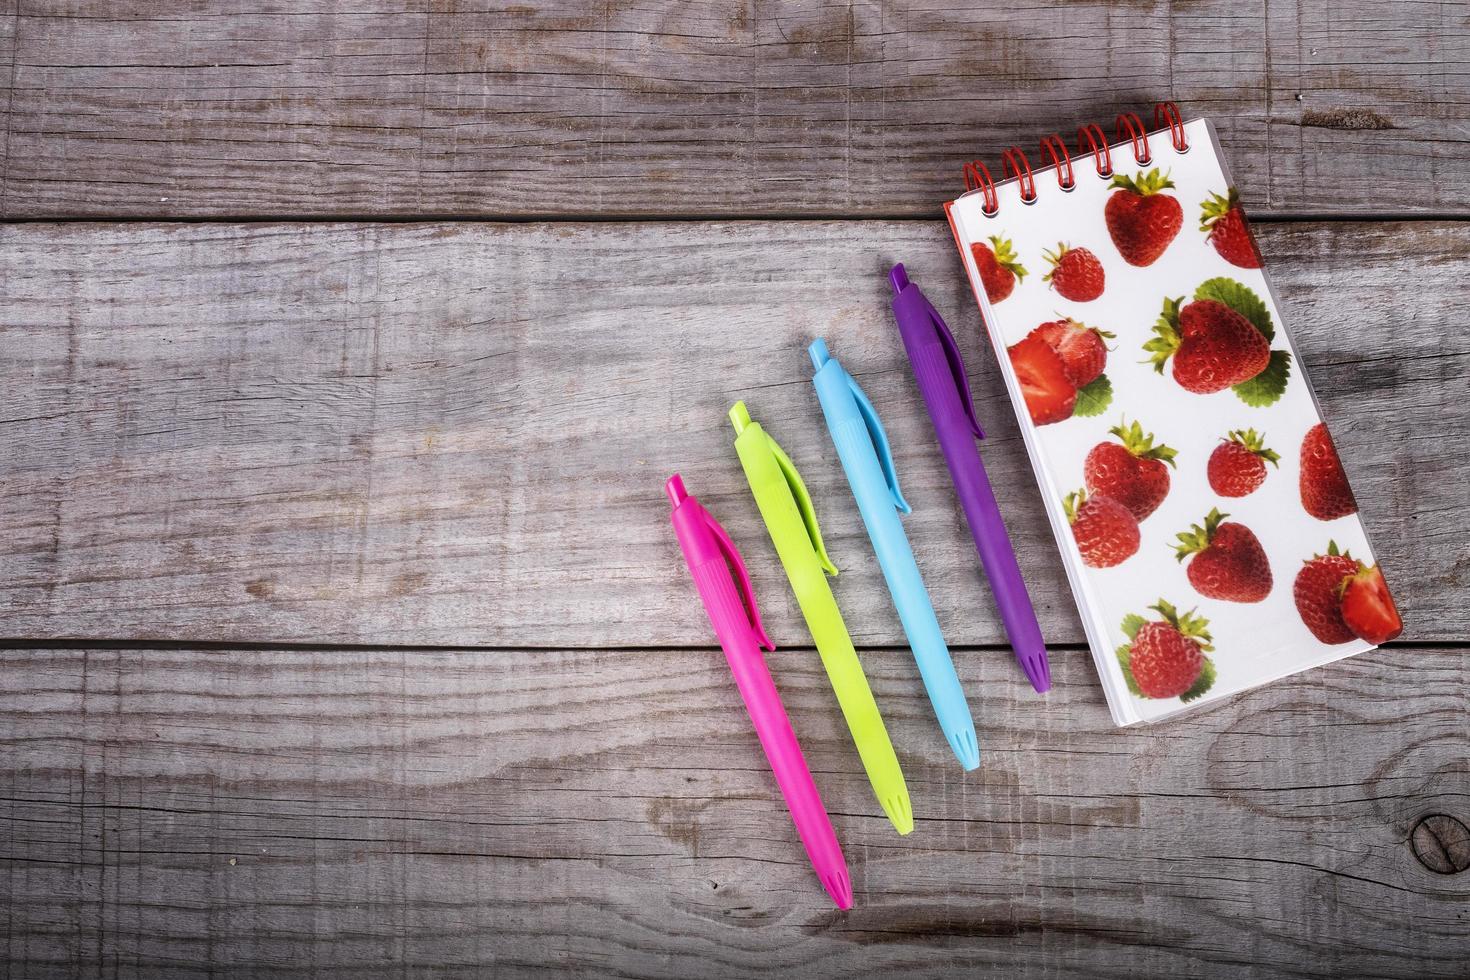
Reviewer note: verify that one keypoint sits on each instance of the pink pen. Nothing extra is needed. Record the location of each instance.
(737, 622)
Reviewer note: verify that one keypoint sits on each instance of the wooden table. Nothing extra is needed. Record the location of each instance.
(345, 345)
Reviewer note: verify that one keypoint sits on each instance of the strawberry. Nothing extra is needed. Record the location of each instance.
(1221, 216)
(1166, 658)
(1213, 346)
(1229, 562)
(1133, 473)
(1000, 268)
(1050, 394)
(1106, 532)
(1081, 348)
(1318, 590)
(1075, 273)
(1142, 219)
(1238, 465)
(1367, 607)
(1324, 486)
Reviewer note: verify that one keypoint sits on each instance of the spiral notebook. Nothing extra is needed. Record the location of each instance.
(1205, 521)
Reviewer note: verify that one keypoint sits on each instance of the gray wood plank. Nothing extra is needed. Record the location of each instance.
(9, 20)
(368, 813)
(458, 435)
(393, 107)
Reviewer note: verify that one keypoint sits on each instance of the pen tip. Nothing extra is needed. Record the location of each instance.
(900, 813)
(965, 747)
(839, 886)
(1038, 671)
(899, 277)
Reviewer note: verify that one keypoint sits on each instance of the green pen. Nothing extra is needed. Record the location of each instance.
(786, 507)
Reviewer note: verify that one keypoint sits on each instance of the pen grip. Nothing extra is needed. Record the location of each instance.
(855, 698)
(768, 717)
(788, 763)
(977, 499)
(901, 575)
(997, 556)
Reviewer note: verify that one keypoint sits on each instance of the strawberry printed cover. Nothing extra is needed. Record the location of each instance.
(1209, 534)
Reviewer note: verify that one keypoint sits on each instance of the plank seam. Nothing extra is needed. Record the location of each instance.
(1304, 217)
(287, 646)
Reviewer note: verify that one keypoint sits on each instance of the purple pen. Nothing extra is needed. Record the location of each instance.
(945, 387)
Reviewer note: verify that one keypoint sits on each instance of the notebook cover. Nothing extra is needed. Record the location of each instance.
(1161, 645)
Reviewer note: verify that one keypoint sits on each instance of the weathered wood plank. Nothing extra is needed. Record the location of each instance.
(759, 108)
(457, 435)
(359, 813)
(9, 19)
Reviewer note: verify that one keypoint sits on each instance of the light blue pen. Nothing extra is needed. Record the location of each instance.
(863, 448)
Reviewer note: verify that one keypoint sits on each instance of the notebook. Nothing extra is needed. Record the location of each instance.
(1208, 531)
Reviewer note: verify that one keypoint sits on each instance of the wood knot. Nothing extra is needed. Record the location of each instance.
(1441, 843)
(1346, 119)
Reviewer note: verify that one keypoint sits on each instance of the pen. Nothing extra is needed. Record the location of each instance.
(711, 555)
(867, 459)
(787, 510)
(940, 372)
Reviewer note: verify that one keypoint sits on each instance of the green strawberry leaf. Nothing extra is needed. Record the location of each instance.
(1094, 398)
(1166, 339)
(1239, 298)
(1256, 443)
(1128, 672)
(1141, 444)
(1072, 503)
(1216, 206)
(1006, 258)
(1132, 623)
(1142, 183)
(1197, 538)
(1266, 388)
(1202, 683)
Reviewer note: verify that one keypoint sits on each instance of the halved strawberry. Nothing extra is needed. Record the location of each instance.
(1081, 348)
(1367, 606)
(1050, 395)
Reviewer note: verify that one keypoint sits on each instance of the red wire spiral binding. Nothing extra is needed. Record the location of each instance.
(1052, 146)
(1013, 161)
(1130, 125)
(1090, 139)
(1097, 142)
(977, 177)
(1168, 111)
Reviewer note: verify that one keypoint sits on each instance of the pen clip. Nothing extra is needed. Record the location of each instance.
(880, 443)
(956, 365)
(803, 503)
(742, 578)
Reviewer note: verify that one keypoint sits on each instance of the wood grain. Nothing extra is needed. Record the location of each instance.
(8, 22)
(417, 434)
(393, 107)
(367, 813)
